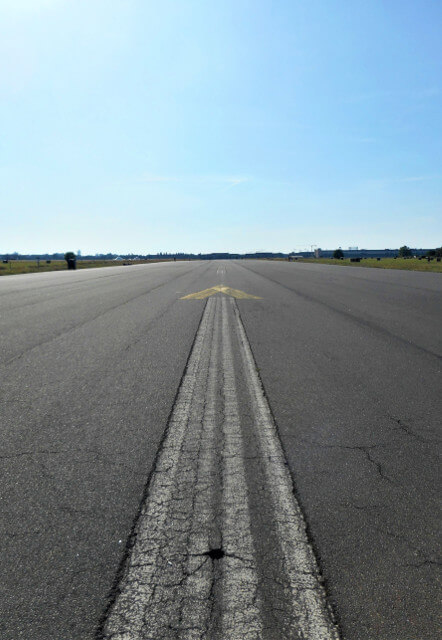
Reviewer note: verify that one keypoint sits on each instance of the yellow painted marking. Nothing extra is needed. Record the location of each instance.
(220, 288)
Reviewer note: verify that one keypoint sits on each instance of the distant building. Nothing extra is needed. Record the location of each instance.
(317, 253)
(353, 248)
(369, 253)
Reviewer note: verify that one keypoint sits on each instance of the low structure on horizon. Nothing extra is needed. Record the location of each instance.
(316, 253)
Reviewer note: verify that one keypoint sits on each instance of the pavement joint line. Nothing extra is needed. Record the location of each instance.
(308, 597)
(80, 325)
(342, 312)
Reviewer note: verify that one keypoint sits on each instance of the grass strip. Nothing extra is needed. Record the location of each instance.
(409, 264)
(14, 267)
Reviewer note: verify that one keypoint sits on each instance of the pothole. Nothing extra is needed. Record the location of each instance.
(215, 554)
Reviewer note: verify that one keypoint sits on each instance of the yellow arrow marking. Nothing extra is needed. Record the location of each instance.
(220, 288)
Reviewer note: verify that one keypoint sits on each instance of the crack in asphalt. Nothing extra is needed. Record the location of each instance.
(417, 551)
(401, 426)
(365, 449)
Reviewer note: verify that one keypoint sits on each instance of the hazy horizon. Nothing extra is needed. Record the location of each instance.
(194, 127)
(81, 253)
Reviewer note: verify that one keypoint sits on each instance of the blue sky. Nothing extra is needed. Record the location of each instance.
(189, 125)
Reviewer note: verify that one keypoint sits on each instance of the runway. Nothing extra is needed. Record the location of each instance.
(220, 450)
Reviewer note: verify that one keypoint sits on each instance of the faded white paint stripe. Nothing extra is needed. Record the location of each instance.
(171, 587)
(126, 620)
(313, 619)
(195, 606)
(240, 613)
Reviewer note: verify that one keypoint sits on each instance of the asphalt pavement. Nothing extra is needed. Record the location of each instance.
(96, 376)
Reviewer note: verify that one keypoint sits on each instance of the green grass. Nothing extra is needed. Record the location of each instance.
(410, 264)
(30, 266)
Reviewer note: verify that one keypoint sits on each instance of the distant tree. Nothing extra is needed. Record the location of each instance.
(71, 260)
(405, 252)
(338, 254)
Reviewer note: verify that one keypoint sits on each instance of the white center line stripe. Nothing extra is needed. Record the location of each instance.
(240, 614)
(127, 618)
(194, 572)
(195, 612)
(308, 598)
